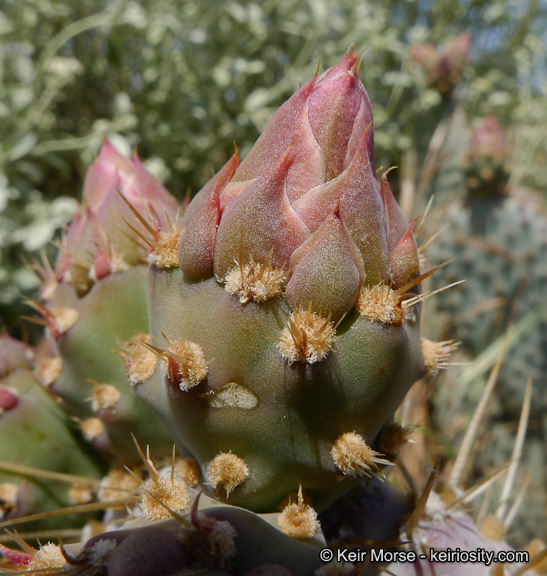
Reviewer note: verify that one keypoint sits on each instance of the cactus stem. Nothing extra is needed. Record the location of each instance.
(227, 471)
(308, 337)
(298, 519)
(254, 281)
(354, 457)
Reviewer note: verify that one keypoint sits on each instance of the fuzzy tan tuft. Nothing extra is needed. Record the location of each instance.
(160, 495)
(227, 471)
(299, 520)
(91, 428)
(184, 362)
(187, 469)
(116, 263)
(190, 360)
(163, 240)
(65, 318)
(80, 494)
(354, 457)
(58, 320)
(140, 362)
(165, 250)
(255, 282)
(101, 551)
(49, 369)
(437, 354)
(47, 557)
(308, 338)
(380, 304)
(116, 485)
(105, 397)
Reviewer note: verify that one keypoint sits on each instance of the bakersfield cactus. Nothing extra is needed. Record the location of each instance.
(284, 325)
(95, 300)
(283, 333)
(37, 434)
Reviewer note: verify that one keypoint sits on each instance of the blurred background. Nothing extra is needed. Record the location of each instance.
(181, 81)
(459, 96)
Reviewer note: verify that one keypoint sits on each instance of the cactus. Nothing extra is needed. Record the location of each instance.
(443, 67)
(284, 322)
(283, 310)
(37, 434)
(499, 238)
(94, 300)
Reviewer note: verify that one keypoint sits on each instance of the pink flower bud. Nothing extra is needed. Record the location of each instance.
(444, 66)
(99, 242)
(488, 140)
(8, 399)
(306, 200)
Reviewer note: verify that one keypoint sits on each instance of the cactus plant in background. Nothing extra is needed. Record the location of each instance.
(443, 67)
(499, 236)
(37, 433)
(94, 300)
(283, 333)
(284, 328)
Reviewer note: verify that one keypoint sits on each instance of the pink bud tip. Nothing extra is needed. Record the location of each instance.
(8, 399)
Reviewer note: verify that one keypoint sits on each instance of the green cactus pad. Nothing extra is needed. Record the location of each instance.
(281, 419)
